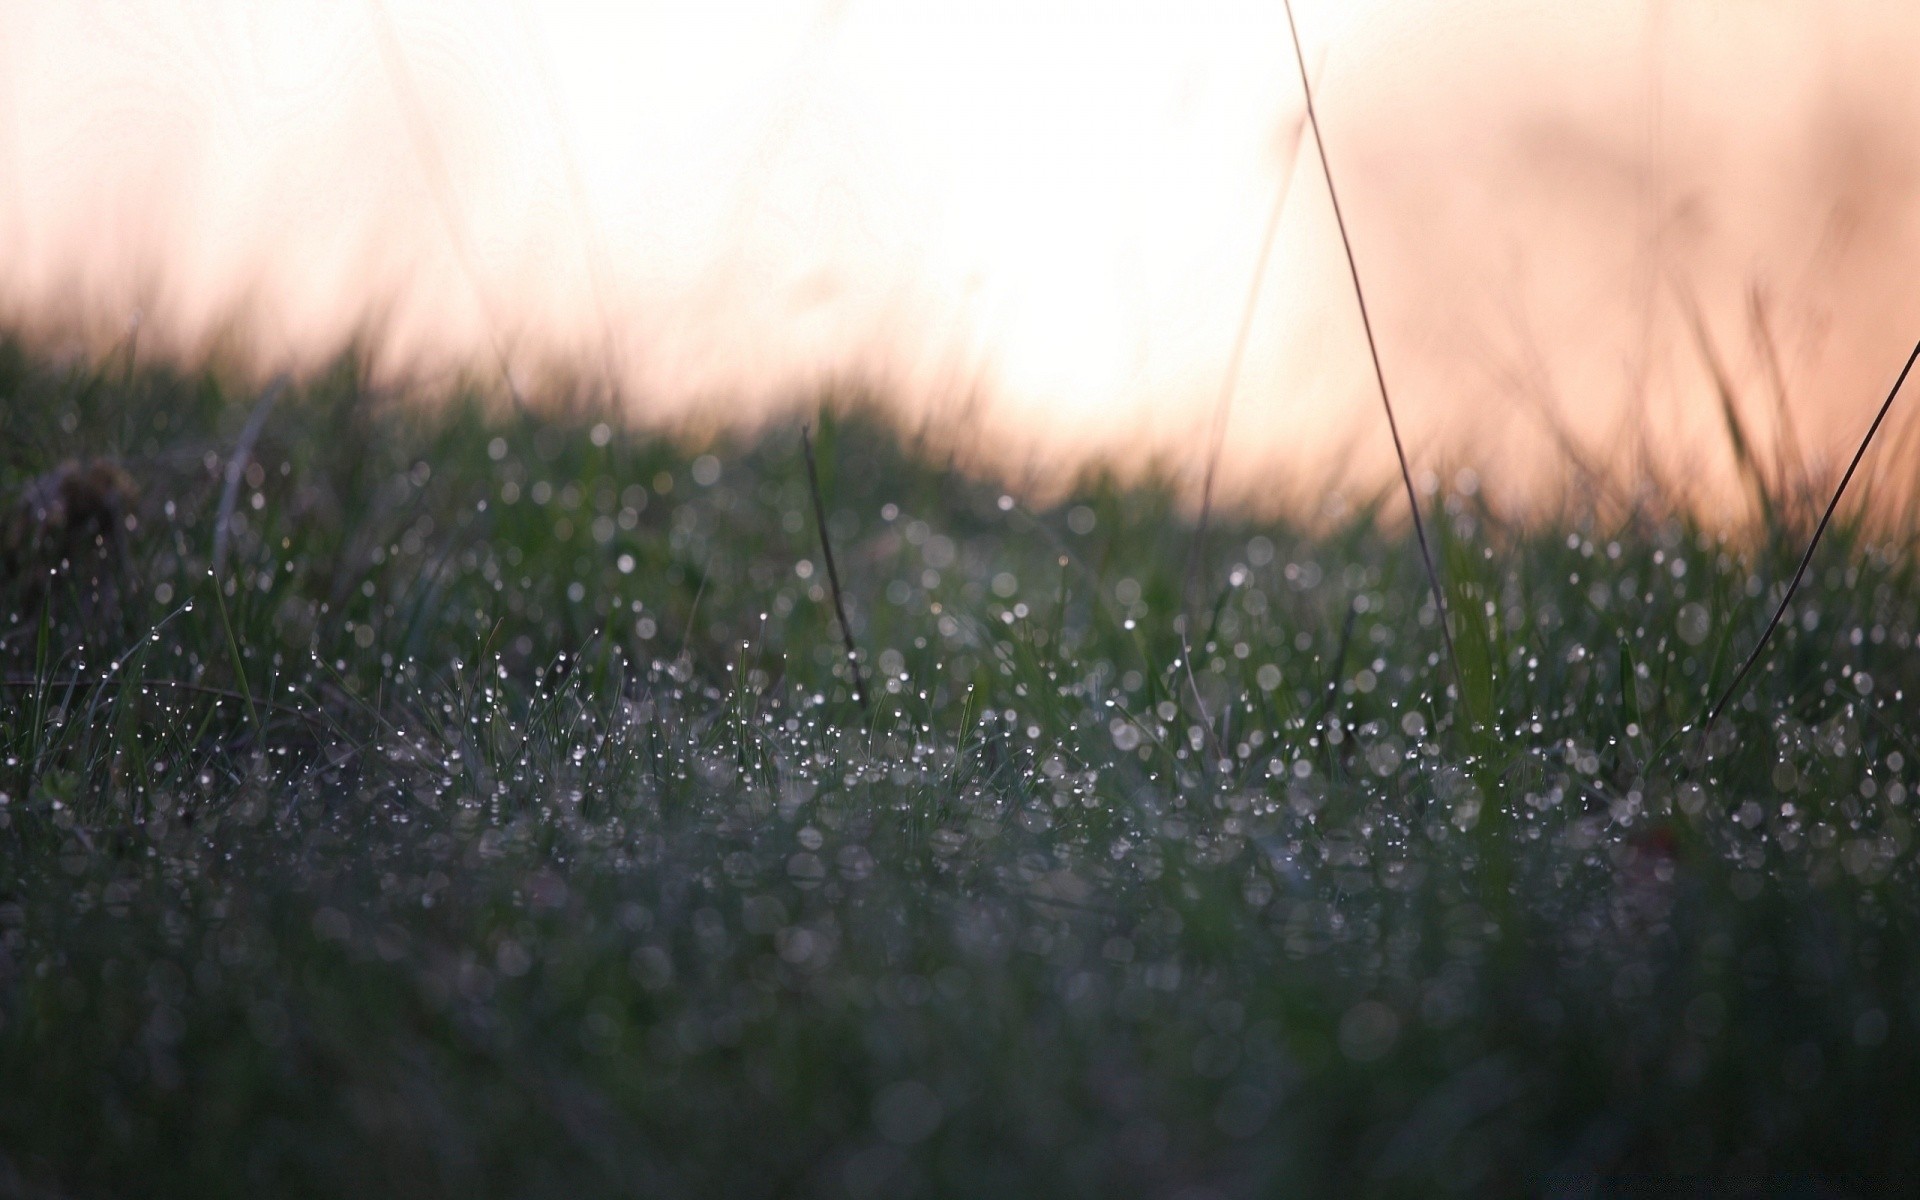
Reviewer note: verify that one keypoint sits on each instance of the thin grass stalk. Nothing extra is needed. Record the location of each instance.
(833, 573)
(1789, 459)
(1339, 665)
(1746, 453)
(1230, 381)
(239, 660)
(237, 470)
(1373, 351)
(1806, 559)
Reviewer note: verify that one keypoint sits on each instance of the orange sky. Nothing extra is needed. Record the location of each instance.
(1056, 206)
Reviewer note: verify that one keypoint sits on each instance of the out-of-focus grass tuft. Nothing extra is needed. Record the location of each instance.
(501, 822)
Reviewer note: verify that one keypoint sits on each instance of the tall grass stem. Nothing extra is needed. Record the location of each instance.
(237, 470)
(1230, 381)
(1813, 544)
(833, 573)
(239, 660)
(1373, 352)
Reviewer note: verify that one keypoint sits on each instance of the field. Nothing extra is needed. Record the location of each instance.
(403, 795)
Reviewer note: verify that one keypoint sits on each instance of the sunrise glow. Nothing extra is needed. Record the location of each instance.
(1054, 209)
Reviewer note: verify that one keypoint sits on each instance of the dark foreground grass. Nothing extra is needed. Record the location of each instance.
(502, 823)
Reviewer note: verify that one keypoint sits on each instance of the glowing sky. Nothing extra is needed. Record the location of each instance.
(1054, 207)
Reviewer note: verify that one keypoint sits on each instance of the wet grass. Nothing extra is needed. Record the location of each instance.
(501, 820)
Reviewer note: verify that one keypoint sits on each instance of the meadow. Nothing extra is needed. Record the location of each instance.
(405, 794)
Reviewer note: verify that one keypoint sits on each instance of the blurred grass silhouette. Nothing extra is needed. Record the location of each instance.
(500, 820)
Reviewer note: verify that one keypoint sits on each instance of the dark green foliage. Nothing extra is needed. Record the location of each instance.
(503, 824)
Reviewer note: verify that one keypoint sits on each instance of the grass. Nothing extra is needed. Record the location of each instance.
(502, 821)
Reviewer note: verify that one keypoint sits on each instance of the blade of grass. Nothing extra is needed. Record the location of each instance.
(1806, 559)
(1229, 383)
(1745, 454)
(1373, 351)
(76, 682)
(237, 470)
(1790, 461)
(1338, 666)
(833, 573)
(239, 663)
(1199, 702)
(42, 674)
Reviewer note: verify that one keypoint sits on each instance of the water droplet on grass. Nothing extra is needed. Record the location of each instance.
(1693, 623)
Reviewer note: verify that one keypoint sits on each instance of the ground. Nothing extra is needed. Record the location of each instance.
(403, 794)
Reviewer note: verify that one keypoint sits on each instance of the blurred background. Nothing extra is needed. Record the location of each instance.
(1038, 226)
